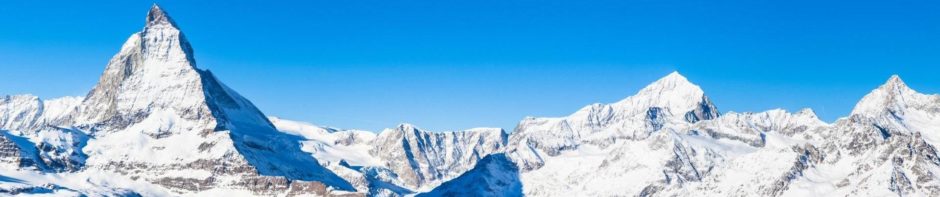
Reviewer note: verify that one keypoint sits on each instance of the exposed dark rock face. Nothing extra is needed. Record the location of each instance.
(11, 154)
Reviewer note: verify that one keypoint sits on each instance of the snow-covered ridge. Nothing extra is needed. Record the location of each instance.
(405, 156)
(423, 158)
(156, 125)
(671, 100)
(28, 112)
(886, 147)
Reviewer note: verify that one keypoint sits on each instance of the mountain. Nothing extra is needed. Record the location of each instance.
(155, 117)
(396, 161)
(672, 100)
(187, 125)
(35, 136)
(423, 159)
(887, 146)
(680, 146)
(157, 125)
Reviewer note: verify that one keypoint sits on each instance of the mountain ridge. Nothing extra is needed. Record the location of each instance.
(156, 125)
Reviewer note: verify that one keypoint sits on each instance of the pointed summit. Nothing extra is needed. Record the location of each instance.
(672, 80)
(892, 96)
(673, 90)
(157, 17)
(152, 90)
(150, 68)
(675, 75)
(895, 84)
(673, 93)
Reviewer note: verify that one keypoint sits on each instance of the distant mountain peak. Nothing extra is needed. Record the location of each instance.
(673, 80)
(674, 93)
(673, 85)
(895, 85)
(894, 96)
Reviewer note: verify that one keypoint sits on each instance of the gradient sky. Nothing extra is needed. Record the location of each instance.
(450, 65)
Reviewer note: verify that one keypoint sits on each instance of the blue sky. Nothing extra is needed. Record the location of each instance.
(448, 65)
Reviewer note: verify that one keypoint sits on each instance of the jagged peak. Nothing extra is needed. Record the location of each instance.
(895, 85)
(158, 17)
(161, 31)
(407, 126)
(144, 62)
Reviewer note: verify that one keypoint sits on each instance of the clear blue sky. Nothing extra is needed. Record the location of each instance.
(447, 65)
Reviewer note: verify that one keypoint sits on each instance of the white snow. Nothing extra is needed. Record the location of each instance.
(155, 120)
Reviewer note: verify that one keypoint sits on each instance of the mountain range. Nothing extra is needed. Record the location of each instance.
(157, 125)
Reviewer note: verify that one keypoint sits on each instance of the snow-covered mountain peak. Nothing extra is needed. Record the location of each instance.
(807, 112)
(673, 95)
(155, 69)
(163, 40)
(673, 92)
(894, 97)
(671, 82)
(895, 85)
(669, 102)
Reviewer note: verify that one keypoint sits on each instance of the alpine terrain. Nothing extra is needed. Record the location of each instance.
(157, 125)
